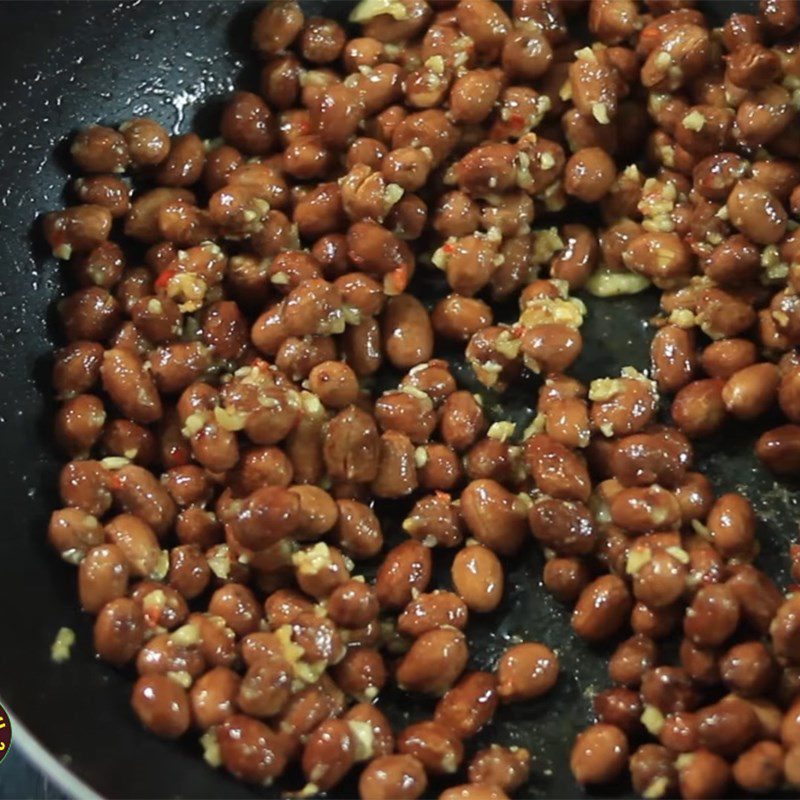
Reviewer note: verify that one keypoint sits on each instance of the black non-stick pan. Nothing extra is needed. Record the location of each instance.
(62, 66)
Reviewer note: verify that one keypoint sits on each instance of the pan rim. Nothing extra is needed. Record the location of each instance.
(47, 763)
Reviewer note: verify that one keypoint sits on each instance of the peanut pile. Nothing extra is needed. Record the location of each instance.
(236, 303)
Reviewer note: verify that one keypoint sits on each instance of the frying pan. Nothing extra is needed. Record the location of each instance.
(65, 65)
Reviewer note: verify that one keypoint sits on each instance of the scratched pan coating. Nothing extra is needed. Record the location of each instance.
(64, 66)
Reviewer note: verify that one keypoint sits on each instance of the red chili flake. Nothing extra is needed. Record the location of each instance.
(517, 330)
(260, 364)
(178, 455)
(448, 248)
(163, 279)
(114, 482)
(516, 121)
(794, 555)
(397, 279)
(650, 36)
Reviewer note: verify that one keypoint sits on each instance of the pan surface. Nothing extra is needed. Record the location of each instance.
(65, 65)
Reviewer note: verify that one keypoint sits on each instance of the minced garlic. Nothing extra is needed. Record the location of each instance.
(652, 719)
(604, 282)
(211, 751)
(502, 431)
(600, 113)
(637, 558)
(62, 644)
(312, 560)
(369, 9)
(694, 121)
(364, 737)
